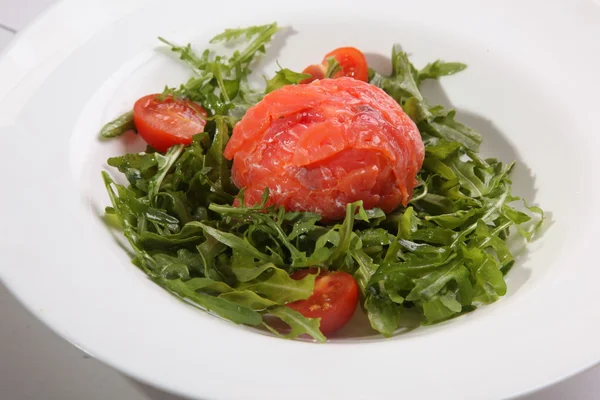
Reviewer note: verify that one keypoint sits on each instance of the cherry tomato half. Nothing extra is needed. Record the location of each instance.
(163, 124)
(352, 61)
(316, 70)
(334, 299)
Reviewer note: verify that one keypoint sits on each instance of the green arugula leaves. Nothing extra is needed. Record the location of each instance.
(437, 259)
(118, 126)
(403, 86)
(284, 77)
(220, 83)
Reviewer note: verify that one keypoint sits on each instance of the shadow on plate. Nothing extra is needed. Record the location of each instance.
(379, 62)
(276, 45)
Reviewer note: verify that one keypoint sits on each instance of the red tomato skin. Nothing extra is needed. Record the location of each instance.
(352, 61)
(334, 300)
(163, 124)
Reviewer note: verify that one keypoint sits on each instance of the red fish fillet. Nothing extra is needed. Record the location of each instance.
(320, 146)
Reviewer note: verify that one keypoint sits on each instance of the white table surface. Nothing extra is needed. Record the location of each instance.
(37, 364)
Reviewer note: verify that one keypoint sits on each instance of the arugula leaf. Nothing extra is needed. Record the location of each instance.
(446, 127)
(239, 244)
(520, 219)
(248, 298)
(245, 269)
(118, 126)
(441, 308)
(416, 109)
(383, 314)
(210, 250)
(190, 233)
(304, 224)
(263, 36)
(279, 287)
(137, 168)
(298, 323)
(366, 268)
(224, 308)
(207, 285)
(431, 284)
(402, 84)
(345, 232)
(220, 173)
(489, 279)
(284, 77)
(164, 165)
(333, 67)
(248, 32)
(187, 55)
(220, 83)
(439, 68)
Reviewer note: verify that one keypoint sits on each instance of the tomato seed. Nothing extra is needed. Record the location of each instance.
(315, 307)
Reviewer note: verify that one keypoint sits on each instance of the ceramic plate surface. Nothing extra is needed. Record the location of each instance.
(531, 89)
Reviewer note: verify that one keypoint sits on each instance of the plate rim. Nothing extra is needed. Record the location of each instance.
(21, 38)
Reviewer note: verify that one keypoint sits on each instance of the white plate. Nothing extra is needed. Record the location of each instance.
(531, 88)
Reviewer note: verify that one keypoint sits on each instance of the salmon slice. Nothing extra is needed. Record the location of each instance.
(322, 145)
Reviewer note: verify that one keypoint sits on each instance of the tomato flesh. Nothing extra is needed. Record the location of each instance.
(352, 62)
(334, 299)
(316, 70)
(163, 124)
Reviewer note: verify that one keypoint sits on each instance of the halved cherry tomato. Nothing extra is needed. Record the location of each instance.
(316, 70)
(334, 299)
(352, 61)
(163, 124)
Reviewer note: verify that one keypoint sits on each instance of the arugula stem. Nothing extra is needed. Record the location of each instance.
(248, 53)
